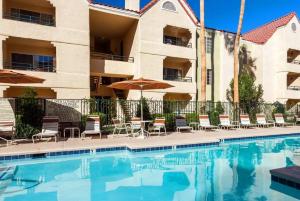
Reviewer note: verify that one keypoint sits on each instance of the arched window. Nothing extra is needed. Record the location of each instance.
(169, 6)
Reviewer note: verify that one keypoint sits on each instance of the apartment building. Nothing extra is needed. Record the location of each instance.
(276, 48)
(159, 41)
(155, 42)
(41, 38)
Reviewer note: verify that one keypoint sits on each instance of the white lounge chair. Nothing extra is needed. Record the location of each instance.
(262, 122)
(245, 121)
(279, 120)
(181, 124)
(92, 127)
(135, 126)
(49, 129)
(120, 126)
(158, 125)
(225, 123)
(204, 123)
(7, 128)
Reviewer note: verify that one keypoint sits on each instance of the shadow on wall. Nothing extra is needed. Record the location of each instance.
(7, 109)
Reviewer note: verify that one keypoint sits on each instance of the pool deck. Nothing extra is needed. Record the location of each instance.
(172, 139)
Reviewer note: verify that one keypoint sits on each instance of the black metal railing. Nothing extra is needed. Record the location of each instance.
(294, 88)
(177, 78)
(112, 57)
(42, 19)
(176, 41)
(295, 61)
(30, 67)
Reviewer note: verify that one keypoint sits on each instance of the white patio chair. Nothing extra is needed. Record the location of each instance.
(262, 122)
(158, 125)
(120, 126)
(204, 123)
(92, 127)
(245, 121)
(279, 120)
(181, 124)
(49, 129)
(225, 123)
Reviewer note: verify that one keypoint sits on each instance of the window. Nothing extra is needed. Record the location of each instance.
(172, 74)
(169, 6)
(208, 45)
(31, 16)
(209, 77)
(32, 62)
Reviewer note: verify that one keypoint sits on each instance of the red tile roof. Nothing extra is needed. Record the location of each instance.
(262, 34)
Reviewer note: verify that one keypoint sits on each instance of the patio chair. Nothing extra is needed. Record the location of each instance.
(92, 127)
(135, 125)
(279, 120)
(245, 121)
(262, 122)
(158, 125)
(181, 124)
(204, 123)
(120, 126)
(7, 129)
(225, 123)
(49, 129)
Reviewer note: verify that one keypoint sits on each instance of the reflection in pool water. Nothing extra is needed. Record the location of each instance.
(231, 172)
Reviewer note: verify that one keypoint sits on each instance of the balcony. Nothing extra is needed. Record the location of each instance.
(29, 55)
(31, 17)
(32, 11)
(176, 41)
(177, 36)
(39, 66)
(111, 57)
(177, 78)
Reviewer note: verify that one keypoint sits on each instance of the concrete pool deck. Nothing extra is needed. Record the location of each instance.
(172, 139)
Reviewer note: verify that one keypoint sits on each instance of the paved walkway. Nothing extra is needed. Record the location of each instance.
(154, 141)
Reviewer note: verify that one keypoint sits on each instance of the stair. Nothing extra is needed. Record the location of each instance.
(7, 108)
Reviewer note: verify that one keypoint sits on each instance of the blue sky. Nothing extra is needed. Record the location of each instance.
(223, 14)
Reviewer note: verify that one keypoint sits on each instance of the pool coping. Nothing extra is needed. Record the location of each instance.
(134, 149)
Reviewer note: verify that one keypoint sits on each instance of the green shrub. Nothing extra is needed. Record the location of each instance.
(146, 111)
(29, 119)
(214, 115)
(170, 120)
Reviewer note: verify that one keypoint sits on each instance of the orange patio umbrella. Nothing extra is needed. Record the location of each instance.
(140, 84)
(12, 77)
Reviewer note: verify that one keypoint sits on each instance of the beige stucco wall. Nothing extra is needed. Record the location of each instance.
(272, 66)
(71, 41)
(152, 51)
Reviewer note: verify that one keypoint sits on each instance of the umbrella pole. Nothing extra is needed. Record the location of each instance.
(142, 115)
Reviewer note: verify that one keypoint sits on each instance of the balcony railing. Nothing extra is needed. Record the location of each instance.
(294, 88)
(30, 67)
(295, 61)
(112, 57)
(177, 78)
(177, 42)
(42, 19)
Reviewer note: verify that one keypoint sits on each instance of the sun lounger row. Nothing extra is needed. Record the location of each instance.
(50, 127)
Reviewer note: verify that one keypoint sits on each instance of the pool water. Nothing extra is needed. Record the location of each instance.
(230, 172)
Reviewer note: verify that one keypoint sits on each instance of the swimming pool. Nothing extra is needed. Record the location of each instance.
(230, 172)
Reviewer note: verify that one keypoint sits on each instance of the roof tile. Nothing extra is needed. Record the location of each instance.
(262, 34)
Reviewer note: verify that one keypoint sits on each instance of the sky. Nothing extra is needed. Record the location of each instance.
(224, 14)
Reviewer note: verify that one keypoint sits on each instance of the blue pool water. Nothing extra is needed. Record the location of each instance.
(231, 172)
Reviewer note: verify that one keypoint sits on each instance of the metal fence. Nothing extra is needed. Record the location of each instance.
(72, 111)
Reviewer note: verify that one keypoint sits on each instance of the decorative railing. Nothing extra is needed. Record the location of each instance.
(295, 61)
(112, 57)
(42, 19)
(177, 78)
(176, 41)
(294, 88)
(30, 67)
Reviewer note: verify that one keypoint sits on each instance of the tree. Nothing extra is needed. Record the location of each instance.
(236, 53)
(203, 53)
(250, 95)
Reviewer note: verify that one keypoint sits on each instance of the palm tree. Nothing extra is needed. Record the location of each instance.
(203, 53)
(236, 53)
